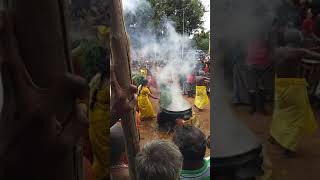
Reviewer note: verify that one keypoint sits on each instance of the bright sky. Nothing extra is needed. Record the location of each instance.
(206, 16)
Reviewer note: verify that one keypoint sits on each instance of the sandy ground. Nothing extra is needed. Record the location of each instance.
(306, 166)
(148, 129)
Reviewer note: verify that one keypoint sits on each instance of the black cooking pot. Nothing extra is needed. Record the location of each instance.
(167, 118)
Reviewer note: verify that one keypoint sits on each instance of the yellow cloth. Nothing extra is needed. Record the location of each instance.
(144, 104)
(144, 73)
(193, 120)
(202, 98)
(99, 128)
(103, 35)
(293, 116)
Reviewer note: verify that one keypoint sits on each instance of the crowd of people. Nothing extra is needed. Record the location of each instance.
(267, 67)
(105, 155)
(195, 85)
(181, 158)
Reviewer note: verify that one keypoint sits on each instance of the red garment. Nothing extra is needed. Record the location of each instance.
(206, 68)
(151, 82)
(258, 54)
(307, 25)
(191, 78)
(138, 121)
(89, 174)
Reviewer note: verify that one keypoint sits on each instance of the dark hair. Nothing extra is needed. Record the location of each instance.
(293, 36)
(191, 142)
(145, 82)
(103, 66)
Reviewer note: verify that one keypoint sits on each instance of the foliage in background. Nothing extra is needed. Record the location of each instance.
(146, 17)
(90, 56)
(193, 13)
(201, 40)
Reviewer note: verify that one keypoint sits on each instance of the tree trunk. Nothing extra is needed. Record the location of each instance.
(121, 59)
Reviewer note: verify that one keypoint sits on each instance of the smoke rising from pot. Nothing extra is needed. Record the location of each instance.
(160, 44)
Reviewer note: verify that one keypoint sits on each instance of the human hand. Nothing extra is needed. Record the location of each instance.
(122, 102)
(180, 122)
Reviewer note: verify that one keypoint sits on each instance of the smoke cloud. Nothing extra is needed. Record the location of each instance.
(160, 44)
(131, 6)
(239, 20)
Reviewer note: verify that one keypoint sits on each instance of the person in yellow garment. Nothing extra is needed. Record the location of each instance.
(145, 107)
(144, 72)
(99, 122)
(103, 34)
(293, 117)
(201, 99)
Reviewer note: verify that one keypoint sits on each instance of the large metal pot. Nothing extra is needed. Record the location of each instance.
(167, 118)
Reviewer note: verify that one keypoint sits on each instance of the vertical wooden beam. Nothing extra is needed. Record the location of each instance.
(121, 59)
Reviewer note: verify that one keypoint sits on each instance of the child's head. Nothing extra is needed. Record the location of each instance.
(145, 82)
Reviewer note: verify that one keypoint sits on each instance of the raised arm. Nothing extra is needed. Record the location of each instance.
(154, 97)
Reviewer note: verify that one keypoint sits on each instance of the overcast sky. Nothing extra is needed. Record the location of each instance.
(206, 16)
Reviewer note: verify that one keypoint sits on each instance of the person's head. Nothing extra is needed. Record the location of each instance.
(118, 151)
(309, 13)
(191, 142)
(159, 160)
(103, 63)
(145, 82)
(293, 37)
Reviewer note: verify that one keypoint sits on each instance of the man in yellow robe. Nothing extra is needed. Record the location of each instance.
(201, 99)
(293, 117)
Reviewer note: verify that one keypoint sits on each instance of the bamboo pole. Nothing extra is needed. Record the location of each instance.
(121, 59)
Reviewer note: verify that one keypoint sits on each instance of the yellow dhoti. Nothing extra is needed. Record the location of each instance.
(99, 130)
(144, 104)
(202, 98)
(293, 116)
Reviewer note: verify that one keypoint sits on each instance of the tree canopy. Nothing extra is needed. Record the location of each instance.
(192, 10)
(201, 40)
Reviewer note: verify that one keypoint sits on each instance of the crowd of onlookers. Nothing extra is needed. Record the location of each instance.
(181, 158)
(252, 61)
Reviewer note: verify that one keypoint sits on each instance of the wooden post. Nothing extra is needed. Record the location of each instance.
(120, 48)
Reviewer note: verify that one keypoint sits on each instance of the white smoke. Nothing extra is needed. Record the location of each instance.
(168, 46)
(132, 5)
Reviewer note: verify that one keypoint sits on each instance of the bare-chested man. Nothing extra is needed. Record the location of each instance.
(292, 117)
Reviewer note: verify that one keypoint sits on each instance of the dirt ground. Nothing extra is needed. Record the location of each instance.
(306, 166)
(148, 129)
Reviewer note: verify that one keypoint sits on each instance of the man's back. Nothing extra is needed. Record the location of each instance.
(287, 62)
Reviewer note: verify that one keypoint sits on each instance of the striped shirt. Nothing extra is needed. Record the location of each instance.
(199, 174)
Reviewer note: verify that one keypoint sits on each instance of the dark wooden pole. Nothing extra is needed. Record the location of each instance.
(121, 59)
